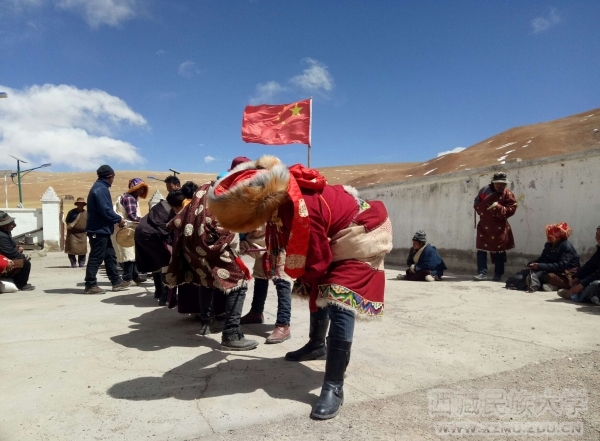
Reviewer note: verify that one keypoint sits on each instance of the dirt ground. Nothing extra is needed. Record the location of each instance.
(406, 417)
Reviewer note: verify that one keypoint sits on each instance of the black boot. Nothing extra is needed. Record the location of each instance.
(332, 392)
(164, 294)
(233, 339)
(158, 285)
(315, 348)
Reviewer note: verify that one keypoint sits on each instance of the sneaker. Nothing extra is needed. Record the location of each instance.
(595, 300)
(126, 283)
(279, 335)
(565, 294)
(27, 287)
(252, 317)
(82, 265)
(94, 290)
(429, 278)
(73, 265)
(121, 286)
(437, 278)
(401, 277)
(497, 278)
(479, 277)
(549, 288)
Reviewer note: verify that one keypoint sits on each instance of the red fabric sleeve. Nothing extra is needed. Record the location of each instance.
(3, 263)
(319, 255)
(509, 208)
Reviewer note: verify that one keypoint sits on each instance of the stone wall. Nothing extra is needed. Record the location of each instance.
(549, 190)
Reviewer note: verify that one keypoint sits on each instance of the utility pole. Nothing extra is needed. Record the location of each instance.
(19, 177)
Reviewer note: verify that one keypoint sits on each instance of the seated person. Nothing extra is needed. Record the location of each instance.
(21, 267)
(554, 267)
(584, 285)
(424, 262)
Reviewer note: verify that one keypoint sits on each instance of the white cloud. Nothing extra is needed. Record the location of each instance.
(102, 12)
(448, 152)
(209, 159)
(160, 52)
(314, 78)
(266, 92)
(541, 24)
(65, 125)
(188, 69)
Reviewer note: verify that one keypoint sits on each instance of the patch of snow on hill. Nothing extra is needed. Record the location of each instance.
(508, 144)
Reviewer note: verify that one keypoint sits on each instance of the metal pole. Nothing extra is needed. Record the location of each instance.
(19, 181)
(5, 190)
(308, 155)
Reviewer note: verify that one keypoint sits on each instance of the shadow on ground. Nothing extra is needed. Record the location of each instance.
(65, 291)
(213, 375)
(142, 298)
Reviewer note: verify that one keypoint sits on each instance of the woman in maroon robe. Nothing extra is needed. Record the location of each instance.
(494, 204)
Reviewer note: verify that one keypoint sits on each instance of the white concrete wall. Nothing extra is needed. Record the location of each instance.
(558, 189)
(27, 219)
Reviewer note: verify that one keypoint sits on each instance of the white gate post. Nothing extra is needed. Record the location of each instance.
(51, 220)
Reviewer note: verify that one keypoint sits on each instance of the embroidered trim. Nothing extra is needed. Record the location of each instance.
(348, 298)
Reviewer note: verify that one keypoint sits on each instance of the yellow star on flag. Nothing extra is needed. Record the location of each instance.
(296, 110)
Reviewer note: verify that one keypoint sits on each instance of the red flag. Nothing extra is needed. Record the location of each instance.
(277, 124)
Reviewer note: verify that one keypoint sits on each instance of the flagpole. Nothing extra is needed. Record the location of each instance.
(309, 130)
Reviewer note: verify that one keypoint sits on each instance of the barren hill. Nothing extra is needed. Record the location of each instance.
(566, 135)
(558, 137)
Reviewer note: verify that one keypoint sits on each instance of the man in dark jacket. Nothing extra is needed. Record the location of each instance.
(100, 225)
(151, 252)
(424, 262)
(9, 249)
(584, 285)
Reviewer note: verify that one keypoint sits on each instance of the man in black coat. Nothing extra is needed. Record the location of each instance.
(151, 253)
(10, 250)
(100, 225)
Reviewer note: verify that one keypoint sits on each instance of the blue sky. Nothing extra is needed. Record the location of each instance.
(149, 84)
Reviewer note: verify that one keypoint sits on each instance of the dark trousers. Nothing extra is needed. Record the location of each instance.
(284, 299)
(497, 258)
(74, 259)
(418, 276)
(130, 271)
(212, 304)
(21, 275)
(233, 314)
(101, 250)
(341, 321)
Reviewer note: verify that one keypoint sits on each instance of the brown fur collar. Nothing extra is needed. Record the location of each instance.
(249, 204)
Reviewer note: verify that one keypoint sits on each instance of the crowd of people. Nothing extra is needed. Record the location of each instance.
(321, 242)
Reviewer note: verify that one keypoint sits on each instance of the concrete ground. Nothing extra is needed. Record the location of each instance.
(118, 367)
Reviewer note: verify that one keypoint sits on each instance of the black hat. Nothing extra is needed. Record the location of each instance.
(105, 171)
(5, 218)
(500, 178)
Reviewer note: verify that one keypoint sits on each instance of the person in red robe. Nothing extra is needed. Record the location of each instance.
(494, 204)
(335, 243)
